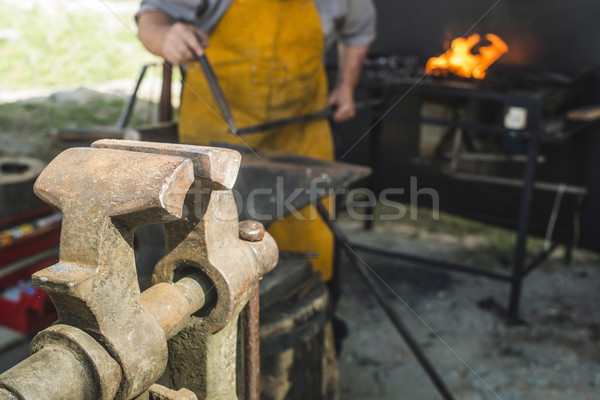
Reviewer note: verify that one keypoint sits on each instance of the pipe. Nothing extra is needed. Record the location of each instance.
(172, 304)
(52, 373)
(70, 364)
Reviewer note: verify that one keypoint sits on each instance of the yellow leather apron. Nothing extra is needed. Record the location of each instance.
(267, 55)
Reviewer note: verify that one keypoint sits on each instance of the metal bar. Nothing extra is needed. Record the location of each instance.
(217, 92)
(54, 372)
(322, 114)
(386, 305)
(525, 99)
(492, 157)
(165, 107)
(497, 180)
(432, 263)
(553, 216)
(127, 111)
(251, 342)
(171, 305)
(543, 256)
(372, 162)
(521, 246)
(468, 125)
(574, 230)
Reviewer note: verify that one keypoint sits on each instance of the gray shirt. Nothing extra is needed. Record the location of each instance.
(350, 21)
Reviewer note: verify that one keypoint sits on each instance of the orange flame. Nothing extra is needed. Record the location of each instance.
(461, 61)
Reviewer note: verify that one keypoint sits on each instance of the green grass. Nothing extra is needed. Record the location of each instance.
(60, 45)
(26, 127)
(26, 118)
(63, 43)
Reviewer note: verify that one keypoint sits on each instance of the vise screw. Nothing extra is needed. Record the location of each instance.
(111, 341)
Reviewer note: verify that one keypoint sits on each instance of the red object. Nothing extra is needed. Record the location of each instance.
(24, 274)
(39, 240)
(32, 312)
(31, 245)
(38, 212)
(23, 307)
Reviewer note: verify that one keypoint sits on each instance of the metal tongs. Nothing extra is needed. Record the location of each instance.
(215, 88)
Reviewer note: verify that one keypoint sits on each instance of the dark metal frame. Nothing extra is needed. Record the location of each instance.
(367, 275)
(533, 101)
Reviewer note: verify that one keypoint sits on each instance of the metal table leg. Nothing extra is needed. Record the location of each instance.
(373, 157)
(521, 245)
(386, 305)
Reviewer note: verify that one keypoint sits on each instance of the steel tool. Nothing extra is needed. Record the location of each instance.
(111, 341)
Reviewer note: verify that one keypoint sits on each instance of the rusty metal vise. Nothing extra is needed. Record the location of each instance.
(111, 341)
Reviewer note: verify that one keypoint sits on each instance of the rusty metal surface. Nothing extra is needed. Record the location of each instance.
(106, 195)
(215, 167)
(207, 347)
(85, 370)
(158, 392)
(251, 343)
(29, 379)
(111, 340)
(183, 298)
(207, 240)
(252, 231)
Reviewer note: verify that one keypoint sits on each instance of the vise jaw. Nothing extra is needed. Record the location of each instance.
(111, 341)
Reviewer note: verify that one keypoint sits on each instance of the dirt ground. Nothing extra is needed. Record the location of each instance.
(554, 355)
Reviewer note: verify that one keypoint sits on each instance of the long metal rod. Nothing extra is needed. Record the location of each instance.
(432, 263)
(321, 114)
(217, 92)
(496, 180)
(219, 96)
(543, 256)
(466, 125)
(521, 247)
(165, 106)
(492, 157)
(127, 111)
(251, 343)
(386, 305)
